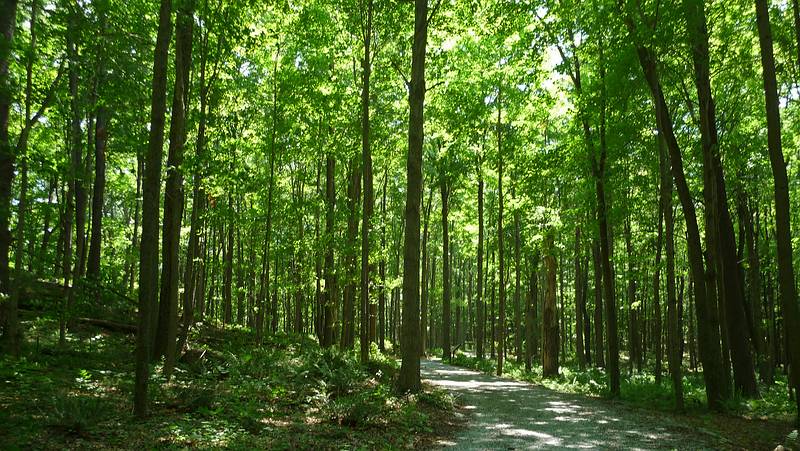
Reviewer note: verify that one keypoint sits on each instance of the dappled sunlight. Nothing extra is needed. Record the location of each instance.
(507, 414)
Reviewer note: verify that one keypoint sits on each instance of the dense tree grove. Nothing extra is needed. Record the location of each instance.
(609, 183)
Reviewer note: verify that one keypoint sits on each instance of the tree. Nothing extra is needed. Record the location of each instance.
(409, 379)
(783, 233)
(148, 258)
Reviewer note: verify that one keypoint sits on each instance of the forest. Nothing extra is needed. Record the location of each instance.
(378, 224)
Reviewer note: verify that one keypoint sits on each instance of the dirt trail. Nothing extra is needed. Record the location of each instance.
(506, 414)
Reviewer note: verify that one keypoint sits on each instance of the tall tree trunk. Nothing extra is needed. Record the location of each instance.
(100, 143)
(425, 272)
(446, 270)
(783, 234)
(599, 347)
(708, 335)
(598, 167)
(550, 336)
(75, 194)
(530, 315)
(191, 272)
(369, 194)
(721, 225)
(382, 269)
(657, 267)
(518, 332)
(348, 314)
(579, 307)
(330, 281)
(409, 380)
(481, 303)
(148, 256)
(8, 22)
(167, 329)
(500, 247)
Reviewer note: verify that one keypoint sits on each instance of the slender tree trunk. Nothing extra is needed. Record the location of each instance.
(480, 301)
(425, 273)
(599, 347)
(721, 226)
(148, 258)
(166, 332)
(530, 316)
(8, 22)
(550, 336)
(100, 143)
(409, 380)
(369, 195)
(579, 307)
(662, 205)
(348, 314)
(783, 234)
(500, 247)
(191, 272)
(382, 269)
(708, 335)
(518, 331)
(446, 270)
(330, 281)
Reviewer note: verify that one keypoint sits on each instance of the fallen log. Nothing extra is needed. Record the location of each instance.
(112, 326)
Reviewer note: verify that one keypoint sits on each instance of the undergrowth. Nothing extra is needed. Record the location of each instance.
(641, 390)
(226, 392)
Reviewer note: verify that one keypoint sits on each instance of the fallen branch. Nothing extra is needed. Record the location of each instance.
(112, 326)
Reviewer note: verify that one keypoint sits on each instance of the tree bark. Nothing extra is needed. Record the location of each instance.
(720, 225)
(148, 258)
(369, 195)
(550, 336)
(446, 270)
(708, 335)
(500, 248)
(783, 235)
(409, 380)
(579, 307)
(330, 281)
(166, 331)
(8, 21)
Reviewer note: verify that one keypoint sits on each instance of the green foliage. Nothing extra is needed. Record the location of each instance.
(77, 415)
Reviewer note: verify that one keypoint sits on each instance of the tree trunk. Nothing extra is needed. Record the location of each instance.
(369, 195)
(480, 301)
(191, 273)
(579, 307)
(550, 336)
(709, 333)
(148, 258)
(446, 270)
(783, 235)
(382, 269)
(425, 273)
(500, 247)
(166, 332)
(721, 226)
(8, 22)
(599, 347)
(98, 189)
(409, 380)
(518, 332)
(330, 281)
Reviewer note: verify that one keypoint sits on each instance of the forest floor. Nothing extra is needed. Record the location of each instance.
(226, 393)
(509, 414)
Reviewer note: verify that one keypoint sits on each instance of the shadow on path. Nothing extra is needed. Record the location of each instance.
(507, 414)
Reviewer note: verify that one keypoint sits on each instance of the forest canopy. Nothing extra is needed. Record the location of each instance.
(609, 184)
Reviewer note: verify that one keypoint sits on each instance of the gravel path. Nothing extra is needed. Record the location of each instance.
(506, 414)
